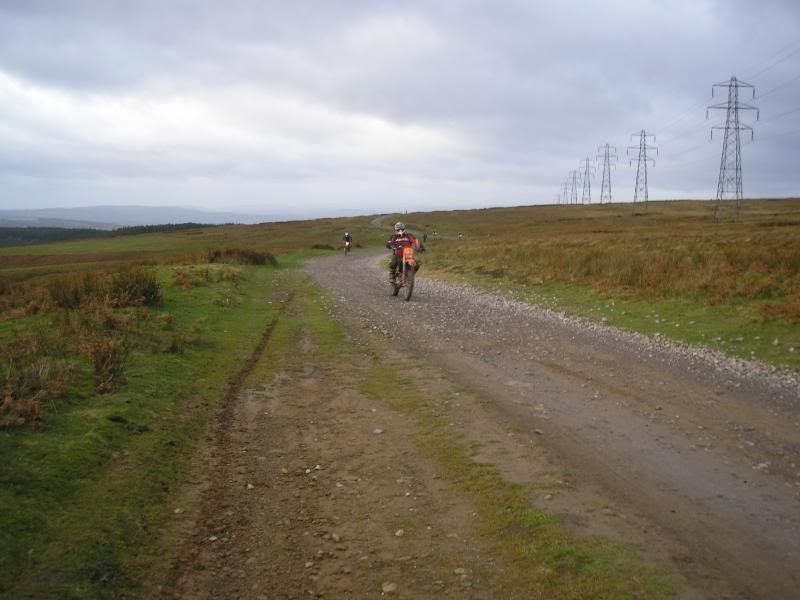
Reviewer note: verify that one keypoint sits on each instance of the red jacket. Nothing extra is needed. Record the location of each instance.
(403, 241)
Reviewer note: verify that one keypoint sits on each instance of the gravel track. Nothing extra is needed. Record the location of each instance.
(705, 448)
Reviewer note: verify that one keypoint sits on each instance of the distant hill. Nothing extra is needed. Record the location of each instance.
(113, 217)
(49, 223)
(22, 236)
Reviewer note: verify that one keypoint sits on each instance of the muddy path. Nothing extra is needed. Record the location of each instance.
(343, 465)
(696, 460)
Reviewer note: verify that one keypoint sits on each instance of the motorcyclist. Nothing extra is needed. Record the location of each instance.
(347, 238)
(399, 240)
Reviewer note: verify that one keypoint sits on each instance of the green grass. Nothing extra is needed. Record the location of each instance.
(550, 563)
(279, 237)
(82, 500)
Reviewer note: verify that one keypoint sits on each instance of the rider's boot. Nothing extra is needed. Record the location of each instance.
(391, 276)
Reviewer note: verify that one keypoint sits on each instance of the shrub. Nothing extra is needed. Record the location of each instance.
(322, 247)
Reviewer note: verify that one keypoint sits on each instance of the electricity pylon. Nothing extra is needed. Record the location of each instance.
(640, 194)
(586, 178)
(565, 195)
(609, 154)
(573, 193)
(729, 184)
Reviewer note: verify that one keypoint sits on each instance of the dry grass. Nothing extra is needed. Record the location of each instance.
(132, 286)
(241, 256)
(34, 375)
(81, 318)
(675, 252)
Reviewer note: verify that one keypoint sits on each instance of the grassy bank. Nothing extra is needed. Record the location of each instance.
(82, 493)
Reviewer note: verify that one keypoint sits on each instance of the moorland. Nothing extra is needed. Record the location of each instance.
(118, 351)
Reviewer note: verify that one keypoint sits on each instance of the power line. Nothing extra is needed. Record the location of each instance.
(764, 66)
(685, 133)
(777, 88)
(779, 60)
(782, 134)
(781, 115)
(688, 112)
(673, 155)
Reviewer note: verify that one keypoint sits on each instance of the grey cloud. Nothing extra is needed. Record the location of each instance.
(534, 86)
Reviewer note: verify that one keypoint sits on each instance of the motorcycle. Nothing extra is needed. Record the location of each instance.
(347, 245)
(404, 275)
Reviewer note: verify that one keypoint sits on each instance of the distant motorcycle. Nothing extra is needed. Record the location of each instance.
(404, 275)
(347, 245)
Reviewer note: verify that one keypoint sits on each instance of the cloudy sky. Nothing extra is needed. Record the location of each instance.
(360, 106)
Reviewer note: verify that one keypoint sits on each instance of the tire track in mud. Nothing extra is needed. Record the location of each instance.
(217, 484)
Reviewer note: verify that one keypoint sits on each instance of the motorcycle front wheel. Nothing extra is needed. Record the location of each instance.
(409, 284)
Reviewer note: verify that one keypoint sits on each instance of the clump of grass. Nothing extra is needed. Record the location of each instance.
(322, 247)
(73, 291)
(135, 287)
(108, 355)
(177, 343)
(34, 375)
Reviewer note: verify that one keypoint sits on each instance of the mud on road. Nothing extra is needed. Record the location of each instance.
(701, 458)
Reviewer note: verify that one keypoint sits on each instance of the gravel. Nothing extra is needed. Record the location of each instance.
(447, 310)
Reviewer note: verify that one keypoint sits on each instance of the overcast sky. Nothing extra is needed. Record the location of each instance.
(341, 107)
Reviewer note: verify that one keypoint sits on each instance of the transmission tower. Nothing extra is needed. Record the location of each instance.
(586, 179)
(573, 194)
(565, 194)
(640, 194)
(729, 185)
(609, 154)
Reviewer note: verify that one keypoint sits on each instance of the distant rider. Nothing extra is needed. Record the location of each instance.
(401, 239)
(348, 239)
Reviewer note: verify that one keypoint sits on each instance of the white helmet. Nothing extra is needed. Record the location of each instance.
(399, 226)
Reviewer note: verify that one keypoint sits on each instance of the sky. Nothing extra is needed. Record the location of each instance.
(335, 107)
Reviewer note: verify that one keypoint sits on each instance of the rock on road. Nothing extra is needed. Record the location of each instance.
(705, 450)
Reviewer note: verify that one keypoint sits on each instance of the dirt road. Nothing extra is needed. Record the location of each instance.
(704, 459)
(373, 447)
